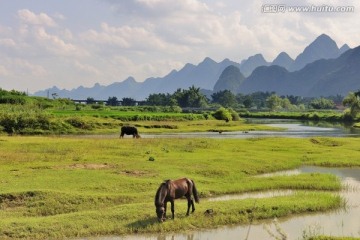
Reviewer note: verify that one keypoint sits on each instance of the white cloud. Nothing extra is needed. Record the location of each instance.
(7, 42)
(24, 67)
(59, 16)
(149, 38)
(87, 68)
(56, 45)
(3, 71)
(29, 17)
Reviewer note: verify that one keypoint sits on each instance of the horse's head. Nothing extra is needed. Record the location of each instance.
(160, 212)
(137, 136)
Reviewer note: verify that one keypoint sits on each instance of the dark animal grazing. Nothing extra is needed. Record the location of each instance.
(209, 212)
(171, 190)
(129, 130)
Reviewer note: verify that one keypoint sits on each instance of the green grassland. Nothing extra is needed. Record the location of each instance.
(32, 120)
(57, 187)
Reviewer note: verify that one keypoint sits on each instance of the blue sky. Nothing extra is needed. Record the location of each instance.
(70, 43)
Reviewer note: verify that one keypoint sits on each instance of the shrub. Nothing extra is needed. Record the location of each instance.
(12, 99)
(20, 119)
(222, 114)
(80, 123)
(97, 106)
(234, 115)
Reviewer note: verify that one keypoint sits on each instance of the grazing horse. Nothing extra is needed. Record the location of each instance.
(171, 190)
(129, 130)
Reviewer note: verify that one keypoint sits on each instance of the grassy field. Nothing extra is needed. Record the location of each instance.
(54, 187)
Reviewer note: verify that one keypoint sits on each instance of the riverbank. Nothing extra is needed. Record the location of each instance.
(327, 115)
(53, 187)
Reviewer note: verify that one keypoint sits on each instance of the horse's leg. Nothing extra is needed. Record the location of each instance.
(190, 203)
(165, 205)
(172, 209)
(193, 205)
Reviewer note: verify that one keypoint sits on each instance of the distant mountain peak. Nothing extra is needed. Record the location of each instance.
(283, 60)
(252, 62)
(344, 48)
(230, 79)
(207, 60)
(130, 79)
(323, 47)
(256, 57)
(323, 37)
(322, 41)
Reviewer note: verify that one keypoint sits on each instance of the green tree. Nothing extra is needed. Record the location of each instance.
(126, 101)
(225, 98)
(159, 99)
(245, 100)
(286, 104)
(90, 100)
(352, 100)
(322, 103)
(274, 102)
(112, 101)
(190, 98)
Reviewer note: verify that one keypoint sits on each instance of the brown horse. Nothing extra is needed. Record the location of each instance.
(171, 190)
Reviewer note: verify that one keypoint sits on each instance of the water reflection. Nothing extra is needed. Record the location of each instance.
(265, 194)
(293, 128)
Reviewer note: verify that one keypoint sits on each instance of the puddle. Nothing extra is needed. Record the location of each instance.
(267, 194)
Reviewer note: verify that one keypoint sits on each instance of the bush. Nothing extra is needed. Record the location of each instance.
(222, 114)
(234, 115)
(20, 119)
(348, 117)
(12, 99)
(80, 123)
(97, 106)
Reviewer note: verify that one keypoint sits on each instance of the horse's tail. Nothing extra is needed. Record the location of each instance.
(195, 193)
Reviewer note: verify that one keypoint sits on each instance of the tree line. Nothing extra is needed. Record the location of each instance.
(195, 98)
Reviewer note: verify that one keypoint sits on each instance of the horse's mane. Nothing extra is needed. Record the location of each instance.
(159, 197)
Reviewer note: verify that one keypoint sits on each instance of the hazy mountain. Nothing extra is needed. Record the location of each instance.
(344, 48)
(203, 75)
(323, 47)
(321, 78)
(206, 74)
(283, 60)
(265, 79)
(230, 79)
(343, 75)
(247, 66)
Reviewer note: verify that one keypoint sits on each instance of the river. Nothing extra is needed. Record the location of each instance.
(292, 128)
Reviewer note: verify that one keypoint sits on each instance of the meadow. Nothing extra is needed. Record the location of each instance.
(66, 187)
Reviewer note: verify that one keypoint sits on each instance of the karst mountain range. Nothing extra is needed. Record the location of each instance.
(322, 69)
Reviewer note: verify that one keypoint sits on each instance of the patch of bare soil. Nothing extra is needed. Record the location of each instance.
(90, 166)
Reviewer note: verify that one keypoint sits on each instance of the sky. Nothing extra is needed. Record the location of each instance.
(72, 43)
